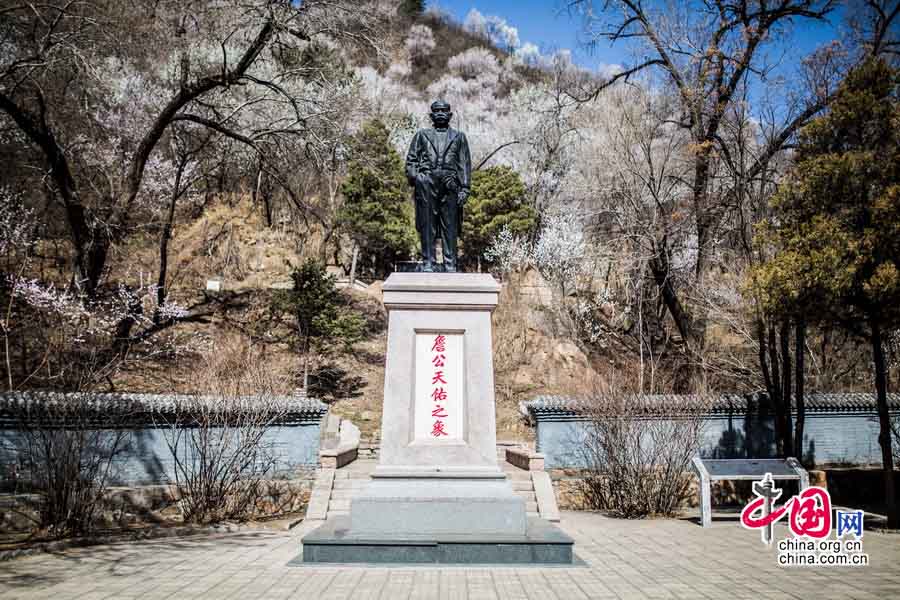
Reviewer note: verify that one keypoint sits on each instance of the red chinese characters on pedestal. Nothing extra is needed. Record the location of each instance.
(439, 395)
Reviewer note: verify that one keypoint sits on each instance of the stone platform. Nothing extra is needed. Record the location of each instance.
(334, 542)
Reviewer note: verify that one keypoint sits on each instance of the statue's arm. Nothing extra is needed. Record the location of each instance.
(412, 159)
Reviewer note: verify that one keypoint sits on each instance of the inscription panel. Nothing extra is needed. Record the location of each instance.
(438, 401)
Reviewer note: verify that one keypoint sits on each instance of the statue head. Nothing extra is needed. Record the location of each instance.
(440, 114)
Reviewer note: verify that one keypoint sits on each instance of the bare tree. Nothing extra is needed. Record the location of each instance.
(218, 439)
(707, 53)
(638, 451)
(65, 456)
(143, 77)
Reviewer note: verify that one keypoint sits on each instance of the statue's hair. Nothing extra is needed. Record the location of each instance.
(438, 103)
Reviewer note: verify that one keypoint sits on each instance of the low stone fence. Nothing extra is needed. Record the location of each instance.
(840, 429)
(525, 458)
(292, 439)
(340, 443)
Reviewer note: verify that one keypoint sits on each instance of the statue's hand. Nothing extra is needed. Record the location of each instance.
(461, 197)
(450, 181)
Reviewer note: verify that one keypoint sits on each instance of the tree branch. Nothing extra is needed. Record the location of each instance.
(216, 126)
(495, 151)
(181, 99)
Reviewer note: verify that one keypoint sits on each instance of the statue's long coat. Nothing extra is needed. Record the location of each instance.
(423, 156)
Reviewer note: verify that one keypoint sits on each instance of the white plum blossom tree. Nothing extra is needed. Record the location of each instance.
(560, 252)
(475, 63)
(493, 28)
(529, 54)
(420, 41)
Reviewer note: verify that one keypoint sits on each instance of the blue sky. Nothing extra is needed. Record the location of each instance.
(543, 23)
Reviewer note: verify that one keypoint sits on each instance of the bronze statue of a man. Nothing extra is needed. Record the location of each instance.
(439, 167)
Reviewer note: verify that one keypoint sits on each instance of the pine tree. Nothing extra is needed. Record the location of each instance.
(837, 227)
(324, 322)
(496, 201)
(377, 212)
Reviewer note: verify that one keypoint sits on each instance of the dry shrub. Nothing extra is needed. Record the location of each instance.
(638, 451)
(223, 458)
(65, 447)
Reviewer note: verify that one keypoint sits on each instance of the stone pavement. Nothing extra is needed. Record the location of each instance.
(625, 559)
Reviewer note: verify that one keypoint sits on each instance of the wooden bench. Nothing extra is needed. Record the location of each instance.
(709, 470)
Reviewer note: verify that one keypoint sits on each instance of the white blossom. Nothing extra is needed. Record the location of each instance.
(16, 223)
(493, 28)
(399, 71)
(475, 63)
(528, 54)
(509, 252)
(46, 297)
(559, 252)
(560, 249)
(420, 41)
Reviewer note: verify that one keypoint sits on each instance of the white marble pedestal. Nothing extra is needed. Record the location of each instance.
(437, 494)
(437, 471)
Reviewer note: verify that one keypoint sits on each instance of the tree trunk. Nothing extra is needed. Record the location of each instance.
(786, 387)
(777, 396)
(91, 241)
(161, 291)
(254, 197)
(800, 363)
(702, 218)
(353, 265)
(884, 421)
(267, 204)
(659, 266)
(323, 245)
(763, 357)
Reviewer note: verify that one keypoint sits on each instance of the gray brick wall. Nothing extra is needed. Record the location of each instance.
(146, 458)
(829, 438)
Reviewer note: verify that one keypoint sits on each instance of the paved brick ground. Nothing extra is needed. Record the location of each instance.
(626, 559)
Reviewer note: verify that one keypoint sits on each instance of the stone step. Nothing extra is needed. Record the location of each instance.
(344, 504)
(341, 475)
(522, 485)
(350, 484)
(531, 507)
(527, 496)
(335, 513)
(324, 476)
(317, 509)
(514, 474)
(342, 496)
(346, 494)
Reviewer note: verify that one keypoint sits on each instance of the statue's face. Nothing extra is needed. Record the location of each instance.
(440, 116)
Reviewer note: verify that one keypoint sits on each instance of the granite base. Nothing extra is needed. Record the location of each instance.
(334, 542)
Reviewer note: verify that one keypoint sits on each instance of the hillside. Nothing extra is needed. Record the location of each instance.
(627, 242)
